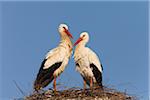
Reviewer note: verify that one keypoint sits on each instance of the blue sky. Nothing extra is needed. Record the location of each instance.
(118, 34)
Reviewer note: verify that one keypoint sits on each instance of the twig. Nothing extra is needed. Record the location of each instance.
(19, 88)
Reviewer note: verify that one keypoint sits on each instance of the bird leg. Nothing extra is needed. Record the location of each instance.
(84, 82)
(91, 82)
(54, 84)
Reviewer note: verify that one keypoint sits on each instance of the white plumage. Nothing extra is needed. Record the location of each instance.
(87, 62)
(58, 54)
(55, 61)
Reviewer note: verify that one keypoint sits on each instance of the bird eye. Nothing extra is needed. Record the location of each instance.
(83, 35)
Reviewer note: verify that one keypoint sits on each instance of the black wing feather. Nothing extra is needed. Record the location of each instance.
(97, 74)
(45, 76)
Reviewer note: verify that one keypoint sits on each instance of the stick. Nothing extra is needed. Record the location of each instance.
(19, 88)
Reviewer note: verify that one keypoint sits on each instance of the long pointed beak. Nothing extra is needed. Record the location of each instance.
(80, 39)
(68, 33)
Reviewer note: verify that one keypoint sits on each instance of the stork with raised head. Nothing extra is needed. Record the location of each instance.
(87, 62)
(55, 60)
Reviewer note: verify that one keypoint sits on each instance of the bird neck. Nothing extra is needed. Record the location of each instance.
(81, 45)
(65, 41)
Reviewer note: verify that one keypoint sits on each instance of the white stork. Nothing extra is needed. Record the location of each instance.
(87, 62)
(55, 61)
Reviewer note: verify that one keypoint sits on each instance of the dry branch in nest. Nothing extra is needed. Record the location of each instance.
(80, 94)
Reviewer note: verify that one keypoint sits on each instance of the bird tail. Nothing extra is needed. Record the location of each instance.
(39, 84)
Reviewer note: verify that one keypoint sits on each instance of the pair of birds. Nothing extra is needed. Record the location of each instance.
(56, 60)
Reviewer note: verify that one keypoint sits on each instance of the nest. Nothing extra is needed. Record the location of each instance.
(80, 94)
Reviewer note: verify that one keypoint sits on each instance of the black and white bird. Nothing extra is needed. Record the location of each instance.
(55, 60)
(87, 62)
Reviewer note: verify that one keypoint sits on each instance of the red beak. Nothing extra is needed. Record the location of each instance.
(68, 33)
(80, 39)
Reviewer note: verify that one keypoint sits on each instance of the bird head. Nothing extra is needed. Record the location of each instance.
(63, 28)
(84, 38)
